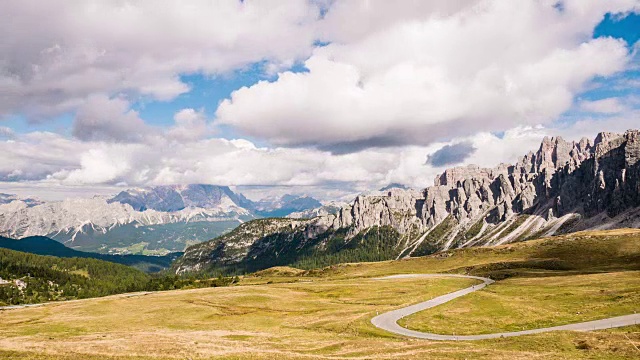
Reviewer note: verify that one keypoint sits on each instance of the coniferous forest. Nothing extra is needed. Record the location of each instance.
(29, 279)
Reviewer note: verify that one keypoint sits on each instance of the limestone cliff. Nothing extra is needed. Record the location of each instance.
(564, 186)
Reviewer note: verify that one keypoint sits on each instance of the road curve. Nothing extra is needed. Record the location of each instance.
(389, 320)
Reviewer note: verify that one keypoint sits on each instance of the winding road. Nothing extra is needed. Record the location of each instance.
(389, 320)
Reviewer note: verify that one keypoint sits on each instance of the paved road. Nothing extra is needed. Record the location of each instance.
(389, 320)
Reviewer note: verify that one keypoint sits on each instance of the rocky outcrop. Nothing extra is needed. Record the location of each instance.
(399, 209)
(563, 186)
(246, 243)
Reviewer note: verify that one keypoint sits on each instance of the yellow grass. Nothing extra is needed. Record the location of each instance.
(288, 314)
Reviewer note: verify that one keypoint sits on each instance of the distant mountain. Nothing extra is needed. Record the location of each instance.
(41, 245)
(324, 210)
(152, 221)
(178, 197)
(99, 226)
(284, 205)
(563, 187)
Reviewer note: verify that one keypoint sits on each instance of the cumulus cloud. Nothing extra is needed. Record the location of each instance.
(56, 160)
(102, 118)
(603, 106)
(451, 154)
(190, 125)
(58, 52)
(388, 87)
(427, 75)
(586, 126)
(6, 132)
(36, 155)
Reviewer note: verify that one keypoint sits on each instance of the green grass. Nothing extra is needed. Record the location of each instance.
(523, 303)
(474, 229)
(322, 317)
(286, 313)
(137, 248)
(428, 246)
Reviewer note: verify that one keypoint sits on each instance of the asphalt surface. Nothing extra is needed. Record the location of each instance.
(389, 320)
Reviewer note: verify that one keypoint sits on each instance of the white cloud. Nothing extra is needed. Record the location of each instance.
(6, 132)
(101, 118)
(190, 124)
(603, 106)
(587, 127)
(47, 159)
(235, 162)
(423, 76)
(55, 53)
(396, 85)
(35, 155)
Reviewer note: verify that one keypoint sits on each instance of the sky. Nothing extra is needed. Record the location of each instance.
(327, 98)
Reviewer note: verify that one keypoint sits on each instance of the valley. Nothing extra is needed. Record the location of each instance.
(40, 245)
(320, 180)
(325, 313)
(146, 221)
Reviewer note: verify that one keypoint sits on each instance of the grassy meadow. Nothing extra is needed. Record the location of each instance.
(286, 313)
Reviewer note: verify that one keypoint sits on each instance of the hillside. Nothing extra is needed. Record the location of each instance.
(326, 313)
(563, 187)
(36, 278)
(41, 245)
(264, 243)
(31, 279)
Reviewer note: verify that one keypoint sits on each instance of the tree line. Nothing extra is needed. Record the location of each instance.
(50, 278)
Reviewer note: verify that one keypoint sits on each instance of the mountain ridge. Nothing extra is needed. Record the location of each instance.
(158, 219)
(562, 187)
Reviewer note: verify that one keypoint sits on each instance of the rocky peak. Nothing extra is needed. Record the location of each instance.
(555, 180)
(632, 148)
(605, 137)
(563, 186)
(451, 177)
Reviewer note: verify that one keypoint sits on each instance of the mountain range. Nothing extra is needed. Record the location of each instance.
(564, 186)
(154, 220)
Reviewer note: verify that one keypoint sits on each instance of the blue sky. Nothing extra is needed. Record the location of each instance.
(627, 28)
(125, 101)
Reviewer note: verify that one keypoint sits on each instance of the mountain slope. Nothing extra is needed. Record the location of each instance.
(265, 243)
(35, 278)
(155, 220)
(96, 225)
(562, 187)
(178, 197)
(41, 245)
